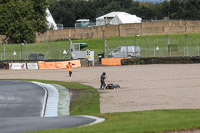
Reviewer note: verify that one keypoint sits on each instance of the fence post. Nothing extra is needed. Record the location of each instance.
(26, 48)
(135, 44)
(4, 49)
(105, 43)
(49, 49)
(168, 45)
(187, 44)
(71, 48)
(147, 46)
(126, 46)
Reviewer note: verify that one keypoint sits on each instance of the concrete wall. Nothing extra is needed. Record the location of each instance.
(145, 28)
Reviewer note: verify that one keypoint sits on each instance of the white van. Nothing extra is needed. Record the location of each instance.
(121, 52)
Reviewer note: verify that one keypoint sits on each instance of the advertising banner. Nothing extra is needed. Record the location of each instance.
(17, 66)
(58, 65)
(32, 66)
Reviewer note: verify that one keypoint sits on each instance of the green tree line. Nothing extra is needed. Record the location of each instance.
(21, 19)
(67, 11)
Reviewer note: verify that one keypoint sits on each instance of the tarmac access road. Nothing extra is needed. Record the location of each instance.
(21, 105)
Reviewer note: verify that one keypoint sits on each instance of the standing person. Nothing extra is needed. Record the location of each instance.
(69, 66)
(102, 80)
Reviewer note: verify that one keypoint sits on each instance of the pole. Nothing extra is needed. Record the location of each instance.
(147, 46)
(105, 46)
(187, 44)
(168, 45)
(71, 49)
(126, 47)
(26, 49)
(135, 45)
(49, 49)
(21, 53)
(4, 48)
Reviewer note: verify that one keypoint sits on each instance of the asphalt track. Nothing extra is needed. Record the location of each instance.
(21, 106)
(20, 99)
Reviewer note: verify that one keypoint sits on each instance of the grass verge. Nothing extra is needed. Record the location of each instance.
(140, 122)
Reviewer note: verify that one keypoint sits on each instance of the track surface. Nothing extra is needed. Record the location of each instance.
(20, 99)
(21, 106)
(18, 125)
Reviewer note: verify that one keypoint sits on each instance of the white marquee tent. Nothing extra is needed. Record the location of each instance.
(125, 18)
(50, 20)
(117, 18)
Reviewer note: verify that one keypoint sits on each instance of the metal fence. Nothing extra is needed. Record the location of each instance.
(23, 51)
(154, 46)
(151, 46)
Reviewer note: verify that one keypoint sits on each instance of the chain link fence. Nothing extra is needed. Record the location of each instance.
(155, 46)
(49, 50)
(150, 46)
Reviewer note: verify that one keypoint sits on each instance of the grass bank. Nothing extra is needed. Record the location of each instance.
(140, 122)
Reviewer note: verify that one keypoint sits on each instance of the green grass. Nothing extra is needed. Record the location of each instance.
(177, 41)
(140, 122)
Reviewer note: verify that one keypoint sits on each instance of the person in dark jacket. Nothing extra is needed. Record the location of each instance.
(102, 80)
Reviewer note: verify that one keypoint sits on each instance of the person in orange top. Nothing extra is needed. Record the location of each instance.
(69, 66)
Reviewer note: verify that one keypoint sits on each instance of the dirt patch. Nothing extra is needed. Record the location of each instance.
(143, 87)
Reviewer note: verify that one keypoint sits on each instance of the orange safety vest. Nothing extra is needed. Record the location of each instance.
(69, 68)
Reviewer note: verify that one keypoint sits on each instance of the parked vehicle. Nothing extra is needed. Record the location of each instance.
(125, 51)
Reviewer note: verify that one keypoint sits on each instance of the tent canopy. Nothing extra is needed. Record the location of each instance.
(51, 23)
(125, 18)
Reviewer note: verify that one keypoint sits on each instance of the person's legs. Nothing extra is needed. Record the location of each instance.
(104, 84)
(70, 73)
(101, 85)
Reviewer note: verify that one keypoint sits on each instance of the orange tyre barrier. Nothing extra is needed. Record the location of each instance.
(111, 61)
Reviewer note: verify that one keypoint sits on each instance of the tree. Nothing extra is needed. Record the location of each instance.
(20, 19)
(63, 12)
(192, 9)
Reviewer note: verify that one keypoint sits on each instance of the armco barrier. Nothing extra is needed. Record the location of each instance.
(111, 61)
(161, 60)
(58, 65)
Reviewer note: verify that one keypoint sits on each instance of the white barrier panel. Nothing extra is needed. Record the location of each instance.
(17, 66)
(32, 65)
